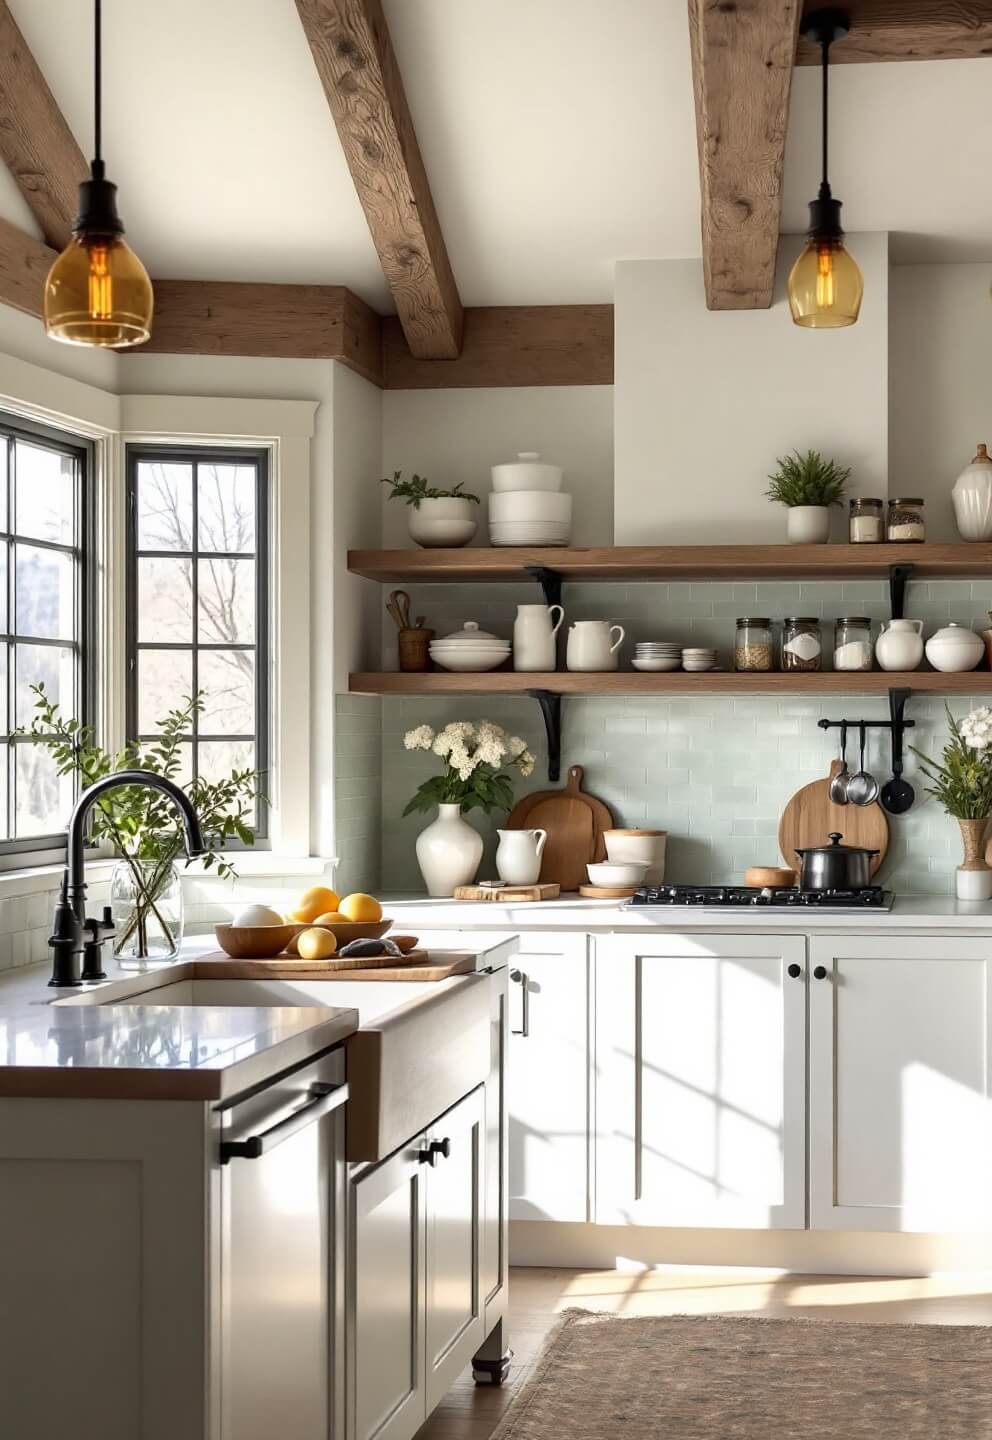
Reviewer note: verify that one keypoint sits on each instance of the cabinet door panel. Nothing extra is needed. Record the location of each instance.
(700, 1081)
(901, 1120)
(454, 1325)
(387, 1390)
(549, 1079)
(494, 1229)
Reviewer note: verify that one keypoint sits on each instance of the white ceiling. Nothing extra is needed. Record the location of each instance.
(558, 136)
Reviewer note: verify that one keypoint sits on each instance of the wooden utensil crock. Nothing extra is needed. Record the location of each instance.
(415, 654)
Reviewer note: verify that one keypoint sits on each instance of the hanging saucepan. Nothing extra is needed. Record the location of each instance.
(835, 866)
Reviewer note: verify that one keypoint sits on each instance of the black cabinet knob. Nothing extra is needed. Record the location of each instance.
(795, 971)
(434, 1149)
(820, 972)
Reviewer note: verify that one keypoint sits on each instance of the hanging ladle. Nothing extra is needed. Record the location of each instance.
(862, 788)
(897, 794)
(838, 785)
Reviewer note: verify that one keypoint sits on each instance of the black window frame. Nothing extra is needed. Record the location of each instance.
(196, 455)
(84, 704)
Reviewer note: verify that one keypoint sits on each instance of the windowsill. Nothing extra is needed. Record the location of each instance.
(31, 880)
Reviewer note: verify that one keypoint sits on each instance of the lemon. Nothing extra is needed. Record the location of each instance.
(333, 917)
(316, 944)
(317, 901)
(360, 907)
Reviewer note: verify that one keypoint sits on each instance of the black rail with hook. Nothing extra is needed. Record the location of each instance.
(897, 794)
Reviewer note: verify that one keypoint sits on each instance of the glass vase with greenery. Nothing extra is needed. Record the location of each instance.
(142, 825)
(807, 480)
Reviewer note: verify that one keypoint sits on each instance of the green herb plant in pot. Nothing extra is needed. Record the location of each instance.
(437, 518)
(961, 780)
(807, 485)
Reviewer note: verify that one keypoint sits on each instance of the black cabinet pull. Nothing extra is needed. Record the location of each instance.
(434, 1149)
(820, 973)
(321, 1100)
(795, 971)
(521, 978)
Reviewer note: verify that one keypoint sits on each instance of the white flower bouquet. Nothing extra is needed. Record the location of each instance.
(962, 780)
(476, 756)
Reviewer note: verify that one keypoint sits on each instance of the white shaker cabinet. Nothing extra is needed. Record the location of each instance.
(900, 1110)
(548, 1082)
(700, 1080)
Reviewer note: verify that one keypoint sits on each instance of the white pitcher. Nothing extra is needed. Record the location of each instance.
(518, 855)
(534, 636)
(900, 645)
(589, 645)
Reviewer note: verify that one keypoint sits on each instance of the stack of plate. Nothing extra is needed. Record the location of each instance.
(470, 649)
(699, 658)
(657, 655)
(527, 506)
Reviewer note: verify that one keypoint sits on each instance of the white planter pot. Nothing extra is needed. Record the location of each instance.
(437, 524)
(973, 884)
(807, 524)
(449, 852)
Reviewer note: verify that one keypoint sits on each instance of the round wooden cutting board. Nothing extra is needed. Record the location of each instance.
(811, 816)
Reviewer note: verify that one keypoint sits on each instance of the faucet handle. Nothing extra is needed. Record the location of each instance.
(97, 931)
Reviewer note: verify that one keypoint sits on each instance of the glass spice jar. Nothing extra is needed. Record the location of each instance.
(852, 643)
(906, 524)
(753, 643)
(866, 525)
(801, 645)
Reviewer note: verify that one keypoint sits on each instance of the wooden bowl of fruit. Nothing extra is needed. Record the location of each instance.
(355, 917)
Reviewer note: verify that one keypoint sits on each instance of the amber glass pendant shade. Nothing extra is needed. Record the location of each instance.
(825, 285)
(98, 293)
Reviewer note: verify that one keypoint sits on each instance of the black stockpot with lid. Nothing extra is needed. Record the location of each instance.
(835, 866)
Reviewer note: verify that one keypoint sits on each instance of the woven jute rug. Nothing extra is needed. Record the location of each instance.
(688, 1377)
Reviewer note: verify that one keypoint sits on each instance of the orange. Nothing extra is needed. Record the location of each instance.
(317, 901)
(316, 944)
(360, 907)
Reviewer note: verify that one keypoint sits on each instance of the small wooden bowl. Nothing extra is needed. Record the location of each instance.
(343, 931)
(775, 876)
(255, 942)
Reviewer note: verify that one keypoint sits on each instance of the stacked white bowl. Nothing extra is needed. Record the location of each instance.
(699, 658)
(527, 506)
(657, 655)
(470, 649)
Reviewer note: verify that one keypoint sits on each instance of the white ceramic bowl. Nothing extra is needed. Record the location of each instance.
(607, 872)
(698, 665)
(516, 506)
(442, 534)
(955, 648)
(527, 472)
(656, 663)
(468, 660)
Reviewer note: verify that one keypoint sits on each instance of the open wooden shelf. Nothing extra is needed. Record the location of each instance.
(677, 682)
(673, 562)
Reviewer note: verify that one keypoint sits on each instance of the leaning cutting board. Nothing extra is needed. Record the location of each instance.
(811, 816)
(575, 823)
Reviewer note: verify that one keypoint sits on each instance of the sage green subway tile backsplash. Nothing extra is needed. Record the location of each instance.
(714, 771)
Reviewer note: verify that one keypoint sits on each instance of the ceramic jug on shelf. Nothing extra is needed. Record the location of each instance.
(900, 645)
(534, 632)
(589, 646)
(972, 498)
(518, 855)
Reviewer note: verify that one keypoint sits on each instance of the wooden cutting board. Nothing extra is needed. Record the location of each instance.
(575, 823)
(418, 965)
(811, 816)
(508, 894)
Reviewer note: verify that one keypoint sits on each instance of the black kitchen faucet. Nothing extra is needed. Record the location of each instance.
(73, 935)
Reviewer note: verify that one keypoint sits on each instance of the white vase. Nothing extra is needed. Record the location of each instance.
(807, 524)
(973, 878)
(534, 636)
(900, 645)
(448, 852)
(972, 498)
(448, 521)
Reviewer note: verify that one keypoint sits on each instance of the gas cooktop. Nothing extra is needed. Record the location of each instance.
(739, 897)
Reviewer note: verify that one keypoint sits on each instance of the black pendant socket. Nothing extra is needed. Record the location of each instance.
(823, 27)
(824, 217)
(98, 205)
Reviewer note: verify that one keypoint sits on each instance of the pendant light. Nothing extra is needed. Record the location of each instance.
(98, 292)
(825, 286)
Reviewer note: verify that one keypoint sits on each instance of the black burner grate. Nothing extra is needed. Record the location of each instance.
(742, 896)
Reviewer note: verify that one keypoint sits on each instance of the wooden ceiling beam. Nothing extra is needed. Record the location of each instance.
(908, 30)
(742, 61)
(35, 141)
(361, 79)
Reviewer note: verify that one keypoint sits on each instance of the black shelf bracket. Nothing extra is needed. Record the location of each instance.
(549, 580)
(898, 576)
(550, 704)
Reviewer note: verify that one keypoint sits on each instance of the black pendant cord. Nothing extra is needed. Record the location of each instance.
(825, 101)
(97, 83)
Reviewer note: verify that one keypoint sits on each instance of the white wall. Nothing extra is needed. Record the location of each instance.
(452, 435)
(24, 337)
(940, 401)
(706, 400)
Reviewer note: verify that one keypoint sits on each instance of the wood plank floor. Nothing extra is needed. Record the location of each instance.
(471, 1412)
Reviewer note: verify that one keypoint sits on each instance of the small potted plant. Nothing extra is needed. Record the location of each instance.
(962, 783)
(474, 755)
(807, 485)
(437, 517)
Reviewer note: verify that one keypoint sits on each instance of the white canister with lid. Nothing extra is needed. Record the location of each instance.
(955, 648)
(972, 498)
(900, 645)
(527, 472)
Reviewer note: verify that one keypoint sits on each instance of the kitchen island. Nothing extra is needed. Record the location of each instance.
(244, 1207)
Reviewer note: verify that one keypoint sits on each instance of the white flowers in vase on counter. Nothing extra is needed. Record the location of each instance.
(476, 755)
(962, 783)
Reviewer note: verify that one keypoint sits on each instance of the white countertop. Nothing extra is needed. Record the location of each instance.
(570, 912)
